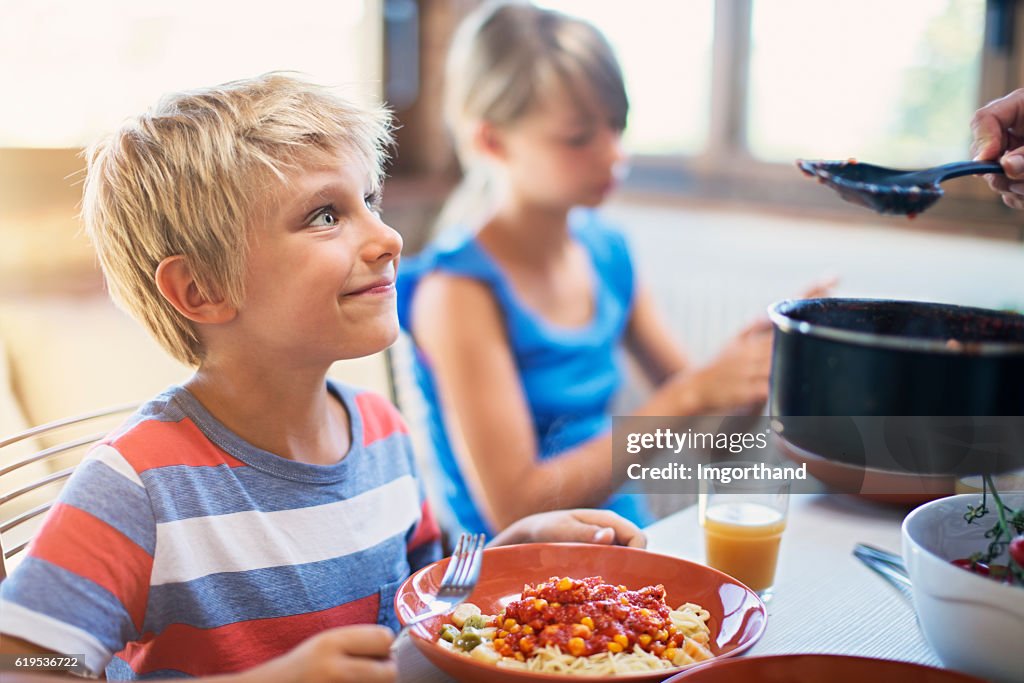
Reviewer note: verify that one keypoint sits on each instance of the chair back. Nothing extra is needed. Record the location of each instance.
(34, 466)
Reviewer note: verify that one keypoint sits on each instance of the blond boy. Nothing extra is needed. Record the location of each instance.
(253, 523)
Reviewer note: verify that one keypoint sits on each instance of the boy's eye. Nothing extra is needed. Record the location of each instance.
(325, 217)
(372, 202)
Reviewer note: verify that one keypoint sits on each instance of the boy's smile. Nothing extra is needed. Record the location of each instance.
(319, 284)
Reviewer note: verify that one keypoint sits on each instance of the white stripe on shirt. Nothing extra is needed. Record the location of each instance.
(110, 457)
(53, 635)
(189, 549)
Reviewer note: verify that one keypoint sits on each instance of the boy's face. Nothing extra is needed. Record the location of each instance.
(321, 270)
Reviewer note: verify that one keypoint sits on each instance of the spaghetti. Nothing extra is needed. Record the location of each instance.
(585, 626)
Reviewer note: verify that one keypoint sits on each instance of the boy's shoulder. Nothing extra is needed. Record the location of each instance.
(380, 418)
(162, 433)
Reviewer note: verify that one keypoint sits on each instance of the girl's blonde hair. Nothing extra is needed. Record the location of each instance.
(504, 58)
(191, 176)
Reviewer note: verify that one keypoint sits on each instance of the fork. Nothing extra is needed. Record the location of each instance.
(889, 565)
(458, 581)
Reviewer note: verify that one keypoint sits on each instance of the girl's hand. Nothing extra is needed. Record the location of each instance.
(819, 289)
(601, 527)
(737, 378)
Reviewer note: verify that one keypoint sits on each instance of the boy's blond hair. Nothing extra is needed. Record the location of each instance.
(191, 176)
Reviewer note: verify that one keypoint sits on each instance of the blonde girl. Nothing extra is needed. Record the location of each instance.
(520, 310)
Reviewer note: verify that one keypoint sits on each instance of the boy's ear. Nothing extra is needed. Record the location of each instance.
(178, 285)
(488, 140)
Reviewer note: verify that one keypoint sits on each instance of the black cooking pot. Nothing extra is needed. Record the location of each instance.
(863, 368)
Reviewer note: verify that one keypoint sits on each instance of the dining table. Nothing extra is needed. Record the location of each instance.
(825, 600)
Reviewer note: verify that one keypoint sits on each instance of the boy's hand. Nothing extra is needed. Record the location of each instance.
(347, 654)
(601, 527)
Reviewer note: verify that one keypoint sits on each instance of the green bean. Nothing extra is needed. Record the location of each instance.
(468, 640)
(449, 633)
(475, 621)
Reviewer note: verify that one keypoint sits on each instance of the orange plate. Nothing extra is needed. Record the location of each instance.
(816, 669)
(737, 614)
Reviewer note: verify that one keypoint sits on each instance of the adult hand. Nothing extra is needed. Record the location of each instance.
(601, 527)
(998, 130)
(347, 654)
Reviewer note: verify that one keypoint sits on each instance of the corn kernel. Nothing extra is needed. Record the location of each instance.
(499, 643)
(539, 604)
(576, 646)
(516, 629)
(623, 599)
(509, 623)
(520, 657)
(670, 653)
(527, 629)
(526, 646)
(556, 604)
(588, 622)
(661, 635)
(565, 583)
(622, 589)
(621, 639)
(614, 647)
(581, 630)
(645, 612)
(644, 639)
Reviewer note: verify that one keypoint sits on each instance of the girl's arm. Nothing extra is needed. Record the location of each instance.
(459, 327)
(736, 379)
(650, 342)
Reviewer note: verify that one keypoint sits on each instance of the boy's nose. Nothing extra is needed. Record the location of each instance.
(383, 242)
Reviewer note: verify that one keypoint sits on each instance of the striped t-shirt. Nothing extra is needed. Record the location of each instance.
(177, 548)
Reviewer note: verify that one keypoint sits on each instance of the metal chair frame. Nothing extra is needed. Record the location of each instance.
(6, 525)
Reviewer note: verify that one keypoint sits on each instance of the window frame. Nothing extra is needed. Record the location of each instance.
(726, 171)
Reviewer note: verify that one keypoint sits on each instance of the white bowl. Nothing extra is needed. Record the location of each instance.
(973, 623)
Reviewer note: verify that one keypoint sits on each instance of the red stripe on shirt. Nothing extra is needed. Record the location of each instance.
(154, 443)
(427, 531)
(380, 418)
(242, 645)
(92, 549)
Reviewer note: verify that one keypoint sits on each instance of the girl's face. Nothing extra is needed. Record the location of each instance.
(563, 153)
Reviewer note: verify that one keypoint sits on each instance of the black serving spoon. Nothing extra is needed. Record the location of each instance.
(889, 190)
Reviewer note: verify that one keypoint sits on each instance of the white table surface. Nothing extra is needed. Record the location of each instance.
(825, 600)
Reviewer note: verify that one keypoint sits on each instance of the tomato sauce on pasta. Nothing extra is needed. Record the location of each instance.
(585, 617)
(583, 627)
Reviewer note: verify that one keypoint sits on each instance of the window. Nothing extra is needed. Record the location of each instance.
(729, 92)
(832, 81)
(72, 70)
(668, 97)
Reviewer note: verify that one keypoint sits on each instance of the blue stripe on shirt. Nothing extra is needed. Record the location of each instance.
(102, 615)
(183, 492)
(105, 494)
(227, 598)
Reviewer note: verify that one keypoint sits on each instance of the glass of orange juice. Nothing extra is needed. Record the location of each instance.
(743, 521)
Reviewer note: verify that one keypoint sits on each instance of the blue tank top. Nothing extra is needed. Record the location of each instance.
(569, 375)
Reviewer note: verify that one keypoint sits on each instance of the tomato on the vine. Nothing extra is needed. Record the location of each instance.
(1017, 550)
